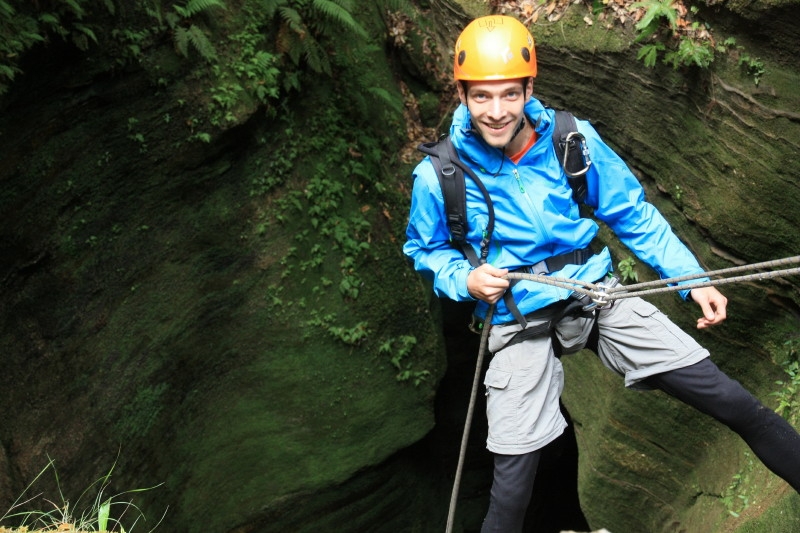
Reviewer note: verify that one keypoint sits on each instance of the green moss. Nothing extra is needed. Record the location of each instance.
(780, 517)
(571, 32)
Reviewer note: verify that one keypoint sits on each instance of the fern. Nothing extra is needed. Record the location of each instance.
(86, 31)
(337, 13)
(305, 23)
(193, 7)
(202, 43)
(315, 56)
(76, 8)
(6, 11)
(269, 7)
(386, 96)
(194, 36)
(8, 72)
(182, 41)
(293, 19)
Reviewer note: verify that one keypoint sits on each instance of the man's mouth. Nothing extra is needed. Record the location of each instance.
(496, 126)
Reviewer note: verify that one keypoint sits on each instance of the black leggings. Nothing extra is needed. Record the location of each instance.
(702, 386)
(511, 492)
(706, 388)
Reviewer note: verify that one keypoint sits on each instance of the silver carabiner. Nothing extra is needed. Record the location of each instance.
(584, 154)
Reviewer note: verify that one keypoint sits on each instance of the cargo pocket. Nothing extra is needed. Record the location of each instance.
(673, 339)
(644, 309)
(501, 407)
(657, 323)
(497, 379)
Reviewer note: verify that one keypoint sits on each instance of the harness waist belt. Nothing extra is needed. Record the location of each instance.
(546, 266)
(557, 262)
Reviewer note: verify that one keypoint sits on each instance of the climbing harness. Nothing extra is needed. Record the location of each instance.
(602, 294)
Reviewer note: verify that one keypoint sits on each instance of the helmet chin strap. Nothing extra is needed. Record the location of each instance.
(520, 127)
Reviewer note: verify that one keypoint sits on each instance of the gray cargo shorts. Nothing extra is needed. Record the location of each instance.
(524, 380)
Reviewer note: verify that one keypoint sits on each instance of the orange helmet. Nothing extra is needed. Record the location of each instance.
(496, 47)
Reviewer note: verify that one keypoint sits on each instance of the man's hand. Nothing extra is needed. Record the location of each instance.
(713, 304)
(486, 283)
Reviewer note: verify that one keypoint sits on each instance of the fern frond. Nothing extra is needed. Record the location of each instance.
(80, 38)
(156, 14)
(288, 43)
(49, 19)
(8, 71)
(269, 7)
(193, 7)
(293, 20)
(6, 10)
(199, 41)
(110, 6)
(383, 94)
(202, 43)
(339, 15)
(315, 56)
(86, 31)
(182, 41)
(172, 19)
(76, 8)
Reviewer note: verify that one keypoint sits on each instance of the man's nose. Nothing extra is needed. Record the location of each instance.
(496, 108)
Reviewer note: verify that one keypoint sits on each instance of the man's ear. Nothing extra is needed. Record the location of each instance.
(528, 88)
(462, 91)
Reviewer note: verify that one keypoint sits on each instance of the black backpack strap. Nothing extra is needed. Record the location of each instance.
(450, 170)
(570, 146)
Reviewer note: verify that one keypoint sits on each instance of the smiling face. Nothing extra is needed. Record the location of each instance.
(496, 108)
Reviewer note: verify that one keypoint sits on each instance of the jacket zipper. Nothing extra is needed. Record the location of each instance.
(542, 229)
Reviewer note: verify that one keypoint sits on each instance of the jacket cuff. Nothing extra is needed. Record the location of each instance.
(461, 284)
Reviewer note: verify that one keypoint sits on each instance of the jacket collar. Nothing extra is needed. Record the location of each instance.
(472, 147)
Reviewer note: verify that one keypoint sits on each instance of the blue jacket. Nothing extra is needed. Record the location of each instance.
(535, 216)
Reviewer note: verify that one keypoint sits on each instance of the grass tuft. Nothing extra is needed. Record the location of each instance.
(105, 514)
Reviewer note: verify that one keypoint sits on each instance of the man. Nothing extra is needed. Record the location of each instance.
(504, 135)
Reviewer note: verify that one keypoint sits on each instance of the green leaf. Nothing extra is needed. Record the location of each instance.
(649, 54)
(103, 513)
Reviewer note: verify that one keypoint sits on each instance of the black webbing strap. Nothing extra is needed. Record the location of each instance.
(551, 264)
(450, 170)
(575, 305)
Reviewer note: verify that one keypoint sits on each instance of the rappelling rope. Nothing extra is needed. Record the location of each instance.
(601, 295)
(468, 424)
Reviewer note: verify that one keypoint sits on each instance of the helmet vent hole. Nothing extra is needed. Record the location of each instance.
(462, 55)
(526, 54)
